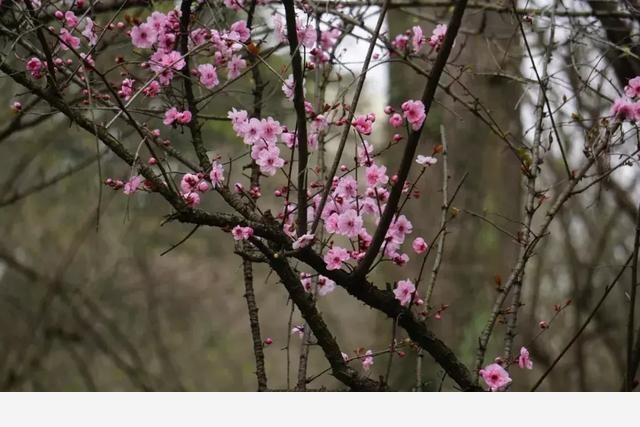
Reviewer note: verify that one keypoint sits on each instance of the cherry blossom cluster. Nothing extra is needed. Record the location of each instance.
(413, 39)
(497, 377)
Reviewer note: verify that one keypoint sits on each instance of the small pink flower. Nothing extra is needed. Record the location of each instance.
(624, 109)
(632, 90)
(241, 233)
(126, 89)
(376, 175)
(153, 89)
(349, 223)
(335, 257)
(426, 160)
(417, 38)
(437, 37)
(523, 360)
(89, 32)
(496, 377)
(404, 291)
(235, 67)
(414, 113)
(216, 174)
(419, 245)
(172, 115)
(191, 199)
(363, 124)
(208, 75)
(132, 185)
(70, 19)
(303, 241)
(325, 285)
(184, 117)
(143, 36)
(239, 31)
(400, 42)
(396, 120)
(367, 361)
(287, 88)
(34, 67)
(68, 40)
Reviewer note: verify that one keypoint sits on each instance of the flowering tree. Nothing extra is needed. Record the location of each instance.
(310, 196)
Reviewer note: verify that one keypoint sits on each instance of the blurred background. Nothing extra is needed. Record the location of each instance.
(90, 302)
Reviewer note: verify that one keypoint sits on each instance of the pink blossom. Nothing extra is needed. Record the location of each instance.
(239, 31)
(143, 36)
(306, 34)
(241, 233)
(173, 115)
(623, 109)
(208, 75)
(269, 161)
(191, 199)
(404, 291)
(399, 228)
(70, 19)
(523, 360)
(133, 184)
(417, 39)
(126, 89)
(235, 67)
(349, 223)
(270, 130)
(287, 88)
(426, 160)
(335, 257)
(34, 67)
(400, 42)
(165, 62)
(496, 377)
(153, 89)
(414, 113)
(363, 124)
(437, 37)
(216, 174)
(419, 245)
(303, 241)
(376, 175)
(189, 183)
(68, 40)
(325, 285)
(396, 120)
(367, 361)
(331, 223)
(632, 90)
(89, 32)
(347, 186)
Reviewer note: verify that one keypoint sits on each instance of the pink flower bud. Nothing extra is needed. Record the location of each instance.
(397, 137)
(152, 161)
(203, 186)
(59, 15)
(268, 341)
